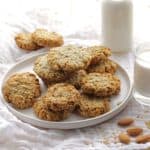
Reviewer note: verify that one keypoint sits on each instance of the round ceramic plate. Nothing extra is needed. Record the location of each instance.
(118, 102)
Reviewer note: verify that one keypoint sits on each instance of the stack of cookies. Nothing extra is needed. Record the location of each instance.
(79, 80)
(57, 103)
(38, 39)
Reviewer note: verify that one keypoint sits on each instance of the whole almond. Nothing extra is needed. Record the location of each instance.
(125, 121)
(124, 138)
(143, 138)
(134, 131)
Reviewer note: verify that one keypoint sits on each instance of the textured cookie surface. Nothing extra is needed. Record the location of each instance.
(98, 53)
(106, 66)
(62, 96)
(42, 111)
(21, 90)
(44, 71)
(69, 58)
(24, 41)
(98, 84)
(90, 106)
(76, 78)
(47, 39)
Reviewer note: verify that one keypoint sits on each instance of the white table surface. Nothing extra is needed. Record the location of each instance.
(21, 136)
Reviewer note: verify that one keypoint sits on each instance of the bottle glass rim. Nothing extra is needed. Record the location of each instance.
(143, 47)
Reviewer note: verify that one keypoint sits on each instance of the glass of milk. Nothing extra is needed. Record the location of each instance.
(142, 74)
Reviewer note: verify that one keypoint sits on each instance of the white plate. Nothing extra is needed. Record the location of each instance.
(118, 102)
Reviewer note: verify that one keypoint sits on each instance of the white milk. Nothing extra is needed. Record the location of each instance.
(142, 74)
(117, 25)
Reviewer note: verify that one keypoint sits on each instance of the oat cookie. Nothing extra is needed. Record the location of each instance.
(76, 78)
(98, 53)
(21, 90)
(43, 111)
(99, 84)
(90, 106)
(44, 71)
(69, 58)
(106, 66)
(62, 96)
(47, 39)
(24, 41)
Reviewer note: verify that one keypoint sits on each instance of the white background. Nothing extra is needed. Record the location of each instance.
(79, 13)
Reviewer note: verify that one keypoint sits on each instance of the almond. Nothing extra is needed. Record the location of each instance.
(134, 131)
(143, 138)
(124, 138)
(125, 121)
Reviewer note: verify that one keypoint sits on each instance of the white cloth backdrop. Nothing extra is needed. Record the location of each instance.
(16, 135)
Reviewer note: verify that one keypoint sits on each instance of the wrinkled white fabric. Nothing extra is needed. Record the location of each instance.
(17, 135)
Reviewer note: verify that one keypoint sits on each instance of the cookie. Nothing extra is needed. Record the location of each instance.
(98, 53)
(106, 66)
(24, 41)
(21, 90)
(76, 78)
(90, 106)
(47, 39)
(69, 58)
(44, 71)
(62, 96)
(102, 85)
(43, 112)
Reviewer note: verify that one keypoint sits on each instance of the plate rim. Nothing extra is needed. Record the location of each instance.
(53, 123)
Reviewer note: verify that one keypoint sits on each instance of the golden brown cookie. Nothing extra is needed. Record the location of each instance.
(62, 96)
(24, 41)
(44, 71)
(90, 106)
(21, 90)
(105, 66)
(47, 39)
(76, 78)
(69, 58)
(99, 84)
(43, 111)
(98, 53)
